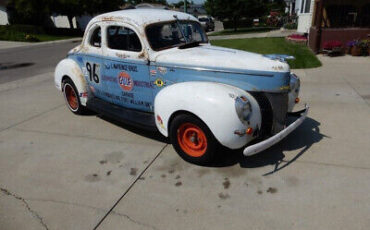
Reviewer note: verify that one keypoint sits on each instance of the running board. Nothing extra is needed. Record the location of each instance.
(129, 116)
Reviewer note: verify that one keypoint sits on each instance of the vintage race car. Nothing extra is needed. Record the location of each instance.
(156, 69)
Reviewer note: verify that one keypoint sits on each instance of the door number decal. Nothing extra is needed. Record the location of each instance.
(93, 72)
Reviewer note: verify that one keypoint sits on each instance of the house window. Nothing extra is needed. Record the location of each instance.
(95, 39)
(121, 38)
(305, 6)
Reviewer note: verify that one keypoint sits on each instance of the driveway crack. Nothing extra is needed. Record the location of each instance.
(129, 188)
(133, 220)
(33, 212)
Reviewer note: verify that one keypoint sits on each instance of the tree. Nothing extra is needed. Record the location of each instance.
(36, 12)
(33, 12)
(136, 2)
(234, 10)
(181, 3)
(70, 8)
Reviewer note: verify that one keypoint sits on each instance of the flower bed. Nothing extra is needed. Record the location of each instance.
(297, 38)
(333, 48)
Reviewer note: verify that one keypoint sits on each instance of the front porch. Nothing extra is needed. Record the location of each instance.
(341, 20)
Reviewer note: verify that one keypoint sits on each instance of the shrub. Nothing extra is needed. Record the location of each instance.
(291, 26)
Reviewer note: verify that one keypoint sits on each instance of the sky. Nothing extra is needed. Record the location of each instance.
(195, 1)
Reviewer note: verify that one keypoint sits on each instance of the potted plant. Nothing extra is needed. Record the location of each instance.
(356, 48)
(333, 47)
(349, 47)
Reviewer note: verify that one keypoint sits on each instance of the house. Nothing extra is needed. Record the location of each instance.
(194, 9)
(304, 11)
(3, 13)
(340, 20)
(290, 7)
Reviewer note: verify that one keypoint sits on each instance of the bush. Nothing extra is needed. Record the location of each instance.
(240, 24)
(291, 26)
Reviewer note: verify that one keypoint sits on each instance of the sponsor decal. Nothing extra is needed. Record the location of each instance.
(109, 78)
(153, 72)
(159, 82)
(162, 70)
(129, 68)
(287, 87)
(126, 98)
(160, 122)
(84, 94)
(278, 67)
(125, 81)
(143, 84)
(129, 95)
(123, 56)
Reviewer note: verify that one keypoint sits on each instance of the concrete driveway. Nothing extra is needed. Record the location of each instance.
(61, 171)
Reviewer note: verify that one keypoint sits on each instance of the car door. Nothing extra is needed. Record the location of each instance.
(126, 71)
(92, 62)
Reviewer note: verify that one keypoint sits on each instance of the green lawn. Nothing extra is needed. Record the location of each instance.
(305, 58)
(243, 31)
(9, 34)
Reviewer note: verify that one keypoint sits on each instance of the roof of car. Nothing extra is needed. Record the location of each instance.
(142, 17)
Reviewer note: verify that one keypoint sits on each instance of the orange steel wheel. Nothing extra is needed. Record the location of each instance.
(192, 140)
(71, 97)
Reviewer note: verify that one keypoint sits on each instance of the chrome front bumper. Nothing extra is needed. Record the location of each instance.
(263, 145)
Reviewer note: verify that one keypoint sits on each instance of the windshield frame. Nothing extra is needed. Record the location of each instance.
(174, 21)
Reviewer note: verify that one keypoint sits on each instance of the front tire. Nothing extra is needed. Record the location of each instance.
(72, 98)
(193, 140)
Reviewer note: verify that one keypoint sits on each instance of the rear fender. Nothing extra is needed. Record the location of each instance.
(69, 68)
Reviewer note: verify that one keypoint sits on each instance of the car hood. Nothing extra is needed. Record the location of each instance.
(214, 57)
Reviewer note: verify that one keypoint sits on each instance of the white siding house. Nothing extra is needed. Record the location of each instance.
(3, 15)
(304, 10)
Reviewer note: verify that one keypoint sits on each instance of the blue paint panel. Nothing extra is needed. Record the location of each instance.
(92, 68)
(249, 80)
(128, 83)
(134, 83)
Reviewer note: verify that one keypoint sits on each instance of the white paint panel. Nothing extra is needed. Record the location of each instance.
(213, 103)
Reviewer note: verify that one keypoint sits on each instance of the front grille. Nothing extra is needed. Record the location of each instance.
(279, 103)
(274, 108)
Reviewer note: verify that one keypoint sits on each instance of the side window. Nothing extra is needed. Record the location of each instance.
(95, 39)
(121, 38)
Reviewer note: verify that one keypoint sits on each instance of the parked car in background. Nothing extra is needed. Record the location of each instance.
(207, 22)
(156, 69)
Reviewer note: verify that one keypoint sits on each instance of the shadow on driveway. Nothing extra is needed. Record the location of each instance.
(302, 138)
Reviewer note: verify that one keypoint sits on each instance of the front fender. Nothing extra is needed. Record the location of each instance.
(69, 68)
(213, 103)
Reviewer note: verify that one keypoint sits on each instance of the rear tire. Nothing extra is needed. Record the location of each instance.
(193, 140)
(72, 98)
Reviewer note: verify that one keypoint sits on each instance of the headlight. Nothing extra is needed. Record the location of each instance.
(243, 108)
(295, 83)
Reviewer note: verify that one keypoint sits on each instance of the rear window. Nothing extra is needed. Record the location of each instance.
(95, 39)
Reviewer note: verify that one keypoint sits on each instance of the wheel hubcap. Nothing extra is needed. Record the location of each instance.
(192, 140)
(71, 97)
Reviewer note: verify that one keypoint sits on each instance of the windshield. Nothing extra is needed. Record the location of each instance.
(172, 34)
(203, 19)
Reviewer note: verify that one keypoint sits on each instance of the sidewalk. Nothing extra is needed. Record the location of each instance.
(12, 44)
(270, 34)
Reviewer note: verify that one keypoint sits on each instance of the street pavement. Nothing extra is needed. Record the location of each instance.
(62, 171)
(27, 61)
